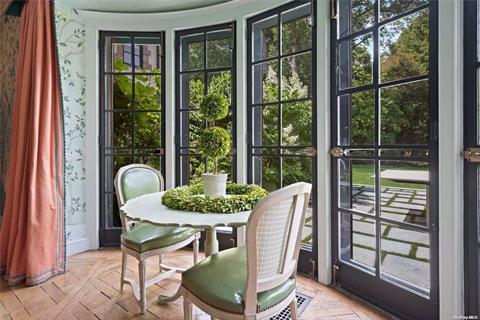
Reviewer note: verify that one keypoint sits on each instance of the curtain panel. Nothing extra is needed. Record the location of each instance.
(32, 235)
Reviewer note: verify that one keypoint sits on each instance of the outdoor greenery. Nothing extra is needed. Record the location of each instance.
(404, 113)
(240, 197)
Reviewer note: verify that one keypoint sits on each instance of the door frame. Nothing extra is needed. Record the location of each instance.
(471, 218)
(380, 290)
(308, 257)
(225, 239)
(110, 236)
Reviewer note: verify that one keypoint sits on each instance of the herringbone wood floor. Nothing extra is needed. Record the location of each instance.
(90, 290)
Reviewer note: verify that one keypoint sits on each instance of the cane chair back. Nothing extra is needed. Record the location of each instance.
(273, 240)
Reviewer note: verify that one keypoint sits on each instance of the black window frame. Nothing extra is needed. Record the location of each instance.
(109, 235)
(471, 183)
(308, 254)
(381, 290)
(179, 173)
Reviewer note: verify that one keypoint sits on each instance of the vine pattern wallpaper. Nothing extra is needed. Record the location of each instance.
(71, 52)
(9, 40)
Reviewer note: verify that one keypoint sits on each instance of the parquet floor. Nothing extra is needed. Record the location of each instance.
(89, 290)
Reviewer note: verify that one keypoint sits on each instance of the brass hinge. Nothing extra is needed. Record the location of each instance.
(314, 267)
(310, 151)
(337, 152)
(472, 154)
(335, 269)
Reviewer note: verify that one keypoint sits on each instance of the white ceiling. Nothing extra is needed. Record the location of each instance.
(140, 6)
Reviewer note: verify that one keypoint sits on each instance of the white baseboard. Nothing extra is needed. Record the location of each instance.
(77, 246)
(78, 240)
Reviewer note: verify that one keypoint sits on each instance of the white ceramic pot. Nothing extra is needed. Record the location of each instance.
(214, 185)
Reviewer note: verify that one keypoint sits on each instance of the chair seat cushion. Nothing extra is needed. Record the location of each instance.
(220, 281)
(145, 236)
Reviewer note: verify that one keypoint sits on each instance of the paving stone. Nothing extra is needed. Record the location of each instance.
(413, 271)
(419, 202)
(395, 210)
(423, 253)
(395, 246)
(365, 227)
(364, 240)
(409, 235)
(364, 256)
(394, 216)
(407, 206)
(403, 200)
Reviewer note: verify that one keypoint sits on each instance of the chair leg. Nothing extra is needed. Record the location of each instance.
(143, 290)
(293, 309)
(195, 250)
(187, 309)
(124, 269)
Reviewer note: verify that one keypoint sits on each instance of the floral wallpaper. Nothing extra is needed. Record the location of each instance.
(71, 47)
(9, 42)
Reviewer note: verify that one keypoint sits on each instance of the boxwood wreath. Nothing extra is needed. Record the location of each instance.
(242, 197)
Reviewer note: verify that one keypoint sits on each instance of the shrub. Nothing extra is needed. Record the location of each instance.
(214, 106)
(215, 143)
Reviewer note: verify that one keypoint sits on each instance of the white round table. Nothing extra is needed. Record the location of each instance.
(149, 208)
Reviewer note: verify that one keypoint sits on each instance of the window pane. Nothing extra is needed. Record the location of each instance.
(266, 172)
(297, 124)
(405, 114)
(118, 129)
(118, 92)
(147, 92)
(405, 256)
(265, 126)
(265, 38)
(148, 129)
(112, 164)
(296, 30)
(296, 169)
(192, 52)
(391, 8)
(221, 83)
(219, 48)
(357, 185)
(357, 118)
(357, 240)
(405, 189)
(118, 57)
(355, 15)
(355, 62)
(148, 52)
(192, 88)
(296, 76)
(404, 47)
(265, 82)
(151, 160)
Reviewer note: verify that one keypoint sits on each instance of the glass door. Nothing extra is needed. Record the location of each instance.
(281, 109)
(472, 158)
(131, 115)
(205, 61)
(384, 153)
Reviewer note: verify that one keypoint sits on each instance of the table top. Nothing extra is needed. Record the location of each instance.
(149, 208)
(420, 176)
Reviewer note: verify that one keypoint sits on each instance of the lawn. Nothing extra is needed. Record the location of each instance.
(362, 174)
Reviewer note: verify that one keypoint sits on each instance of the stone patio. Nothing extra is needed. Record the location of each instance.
(404, 252)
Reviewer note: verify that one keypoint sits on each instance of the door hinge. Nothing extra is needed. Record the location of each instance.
(337, 152)
(333, 9)
(314, 267)
(472, 154)
(335, 270)
(310, 151)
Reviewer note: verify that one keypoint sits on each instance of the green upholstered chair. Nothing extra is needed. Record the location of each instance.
(256, 281)
(143, 240)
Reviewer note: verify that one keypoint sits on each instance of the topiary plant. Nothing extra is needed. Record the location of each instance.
(214, 106)
(214, 143)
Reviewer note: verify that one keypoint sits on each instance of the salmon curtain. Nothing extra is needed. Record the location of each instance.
(32, 242)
